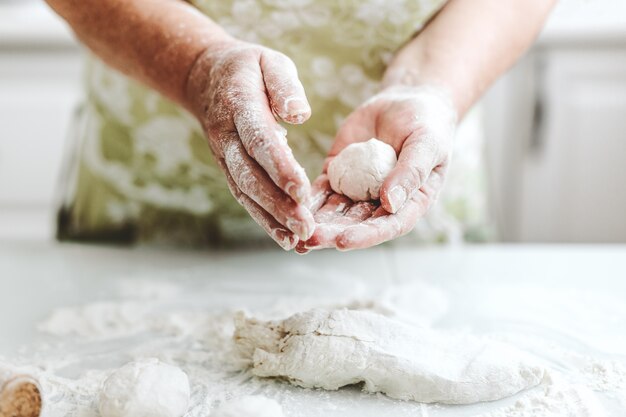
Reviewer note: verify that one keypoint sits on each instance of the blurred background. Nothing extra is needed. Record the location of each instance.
(555, 125)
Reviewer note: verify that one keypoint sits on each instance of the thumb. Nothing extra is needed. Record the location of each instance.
(285, 91)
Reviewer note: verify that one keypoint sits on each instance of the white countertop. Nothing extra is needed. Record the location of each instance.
(570, 296)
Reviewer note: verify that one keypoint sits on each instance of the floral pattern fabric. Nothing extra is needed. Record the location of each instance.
(141, 170)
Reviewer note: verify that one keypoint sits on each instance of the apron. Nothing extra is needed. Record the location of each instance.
(140, 168)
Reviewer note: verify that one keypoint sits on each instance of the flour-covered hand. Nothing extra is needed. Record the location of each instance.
(237, 92)
(419, 123)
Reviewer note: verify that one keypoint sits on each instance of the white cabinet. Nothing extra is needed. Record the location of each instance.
(39, 90)
(556, 131)
(40, 71)
(573, 186)
(559, 144)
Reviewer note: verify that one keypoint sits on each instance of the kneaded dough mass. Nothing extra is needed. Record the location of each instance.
(360, 169)
(145, 388)
(331, 349)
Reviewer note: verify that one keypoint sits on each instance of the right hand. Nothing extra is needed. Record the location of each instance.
(237, 92)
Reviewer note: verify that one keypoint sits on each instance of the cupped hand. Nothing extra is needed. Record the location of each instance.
(419, 123)
(238, 92)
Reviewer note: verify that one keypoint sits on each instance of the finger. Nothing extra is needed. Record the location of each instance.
(254, 182)
(336, 205)
(284, 88)
(325, 236)
(418, 156)
(301, 249)
(330, 222)
(335, 219)
(361, 211)
(265, 141)
(284, 237)
(379, 229)
(320, 191)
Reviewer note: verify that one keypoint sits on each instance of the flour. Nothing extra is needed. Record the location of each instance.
(603, 375)
(333, 349)
(360, 169)
(249, 406)
(556, 398)
(98, 320)
(85, 344)
(145, 388)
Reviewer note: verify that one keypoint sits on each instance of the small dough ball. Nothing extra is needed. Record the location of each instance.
(360, 169)
(145, 388)
(249, 406)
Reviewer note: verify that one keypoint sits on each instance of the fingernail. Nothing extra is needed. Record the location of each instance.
(292, 189)
(297, 109)
(301, 229)
(396, 197)
(343, 244)
(284, 239)
(301, 249)
(298, 193)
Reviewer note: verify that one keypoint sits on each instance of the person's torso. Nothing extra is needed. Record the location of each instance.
(148, 158)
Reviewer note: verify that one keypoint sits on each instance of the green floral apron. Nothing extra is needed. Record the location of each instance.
(140, 168)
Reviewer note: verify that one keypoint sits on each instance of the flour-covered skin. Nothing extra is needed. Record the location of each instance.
(145, 388)
(419, 123)
(237, 92)
(249, 406)
(332, 349)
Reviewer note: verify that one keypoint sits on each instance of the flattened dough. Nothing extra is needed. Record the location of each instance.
(332, 349)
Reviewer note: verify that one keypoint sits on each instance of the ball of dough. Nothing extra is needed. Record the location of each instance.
(249, 406)
(146, 388)
(359, 169)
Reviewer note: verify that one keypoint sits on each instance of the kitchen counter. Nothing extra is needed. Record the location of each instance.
(569, 296)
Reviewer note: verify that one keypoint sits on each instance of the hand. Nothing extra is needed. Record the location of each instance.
(419, 123)
(237, 92)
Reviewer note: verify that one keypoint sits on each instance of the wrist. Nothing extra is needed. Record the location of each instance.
(417, 64)
(198, 75)
(403, 85)
(400, 78)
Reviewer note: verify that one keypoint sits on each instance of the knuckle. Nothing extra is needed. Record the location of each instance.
(213, 131)
(418, 174)
(257, 142)
(277, 57)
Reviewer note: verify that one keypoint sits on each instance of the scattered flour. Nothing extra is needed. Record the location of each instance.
(556, 398)
(249, 406)
(98, 320)
(87, 343)
(604, 375)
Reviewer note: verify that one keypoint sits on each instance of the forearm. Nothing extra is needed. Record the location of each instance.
(468, 45)
(154, 41)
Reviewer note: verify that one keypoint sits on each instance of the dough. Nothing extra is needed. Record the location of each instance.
(331, 349)
(146, 388)
(250, 406)
(359, 169)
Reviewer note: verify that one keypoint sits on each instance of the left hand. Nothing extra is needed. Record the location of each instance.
(419, 123)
